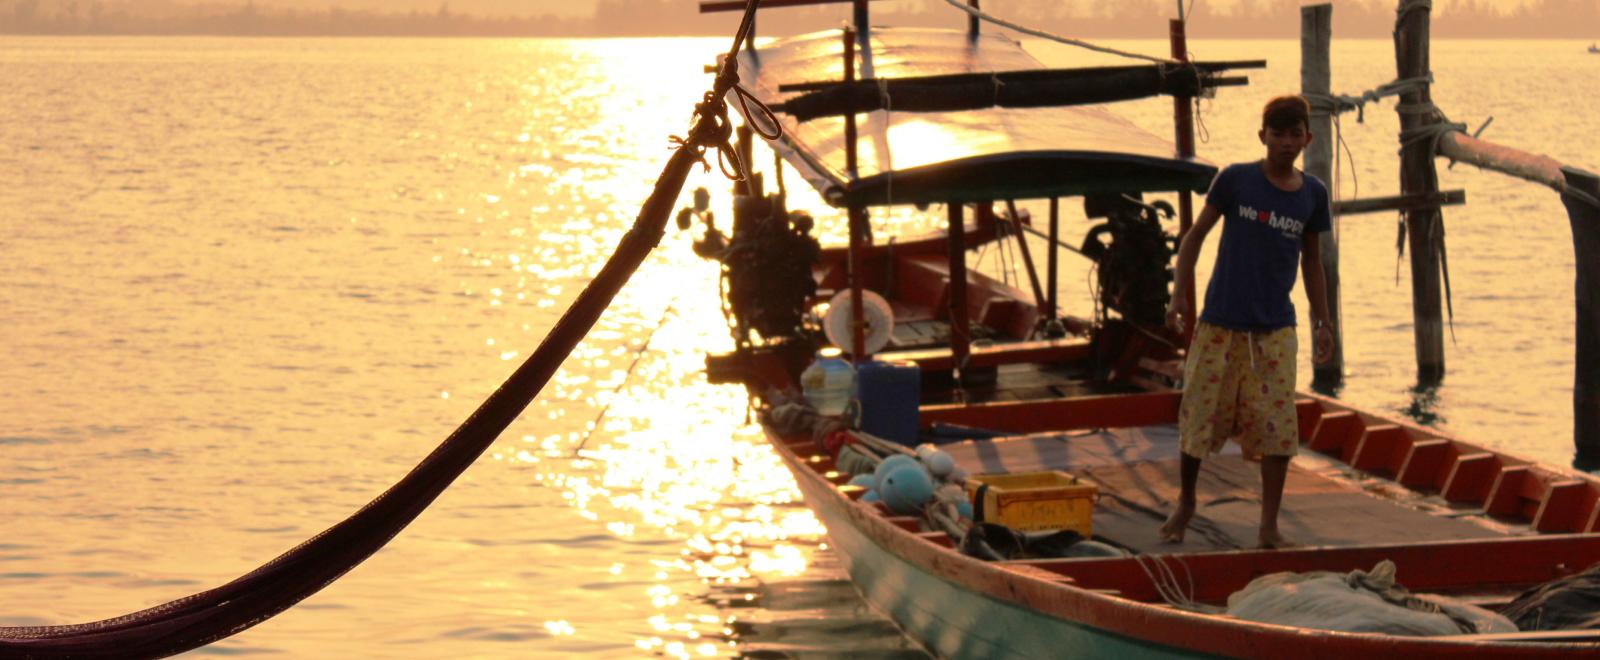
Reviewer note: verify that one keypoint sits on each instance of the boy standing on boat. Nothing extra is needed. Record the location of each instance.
(1239, 380)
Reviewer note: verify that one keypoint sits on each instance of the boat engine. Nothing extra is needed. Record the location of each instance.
(766, 267)
(1134, 256)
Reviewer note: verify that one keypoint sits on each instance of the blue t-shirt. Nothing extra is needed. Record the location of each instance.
(1259, 255)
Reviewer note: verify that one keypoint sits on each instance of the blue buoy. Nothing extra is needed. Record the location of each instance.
(870, 496)
(866, 481)
(940, 463)
(887, 465)
(907, 488)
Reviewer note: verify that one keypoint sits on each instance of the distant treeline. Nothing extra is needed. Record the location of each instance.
(1577, 19)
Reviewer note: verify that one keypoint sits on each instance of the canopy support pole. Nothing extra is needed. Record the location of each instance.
(1183, 121)
(960, 328)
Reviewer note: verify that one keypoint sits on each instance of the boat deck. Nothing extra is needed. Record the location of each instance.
(1136, 470)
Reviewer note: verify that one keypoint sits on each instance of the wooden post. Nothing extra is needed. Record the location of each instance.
(1585, 220)
(1055, 231)
(857, 213)
(1015, 226)
(972, 21)
(1183, 123)
(1316, 36)
(960, 332)
(850, 118)
(858, 326)
(1418, 175)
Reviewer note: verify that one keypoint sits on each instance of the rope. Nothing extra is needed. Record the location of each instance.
(637, 355)
(1165, 580)
(711, 127)
(974, 11)
(1408, 6)
(1336, 104)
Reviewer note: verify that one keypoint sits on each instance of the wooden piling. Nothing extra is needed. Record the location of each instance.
(1418, 175)
(1585, 219)
(1316, 36)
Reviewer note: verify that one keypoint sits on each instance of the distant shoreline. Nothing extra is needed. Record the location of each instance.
(704, 35)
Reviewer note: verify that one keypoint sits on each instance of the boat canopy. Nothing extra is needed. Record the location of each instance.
(989, 154)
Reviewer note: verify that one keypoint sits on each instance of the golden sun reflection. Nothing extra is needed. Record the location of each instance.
(669, 456)
(917, 142)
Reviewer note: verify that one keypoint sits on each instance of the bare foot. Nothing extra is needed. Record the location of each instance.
(1272, 540)
(1177, 524)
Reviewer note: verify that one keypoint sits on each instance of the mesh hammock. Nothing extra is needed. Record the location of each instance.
(206, 617)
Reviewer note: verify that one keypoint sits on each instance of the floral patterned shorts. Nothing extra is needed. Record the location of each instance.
(1239, 384)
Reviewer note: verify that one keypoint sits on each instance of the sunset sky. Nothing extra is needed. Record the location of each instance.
(586, 7)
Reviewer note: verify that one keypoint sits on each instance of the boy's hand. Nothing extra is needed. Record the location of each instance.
(1178, 314)
(1321, 344)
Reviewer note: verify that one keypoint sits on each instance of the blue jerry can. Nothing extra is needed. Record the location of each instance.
(889, 393)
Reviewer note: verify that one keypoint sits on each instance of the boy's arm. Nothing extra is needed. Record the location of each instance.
(1317, 295)
(1180, 314)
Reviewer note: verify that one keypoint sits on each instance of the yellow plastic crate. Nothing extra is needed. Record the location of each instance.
(1033, 501)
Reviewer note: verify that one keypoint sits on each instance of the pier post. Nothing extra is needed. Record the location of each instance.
(1316, 36)
(1425, 227)
(1585, 220)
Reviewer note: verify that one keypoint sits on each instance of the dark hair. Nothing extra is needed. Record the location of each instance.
(1285, 111)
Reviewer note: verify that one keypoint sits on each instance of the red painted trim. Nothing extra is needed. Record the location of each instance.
(1333, 431)
(1032, 352)
(1506, 496)
(1381, 449)
(1090, 412)
(1307, 412)
(1470, 477)
(1563, 507)
(1424, 464)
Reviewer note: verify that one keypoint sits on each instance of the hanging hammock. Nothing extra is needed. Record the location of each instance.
(205, 617)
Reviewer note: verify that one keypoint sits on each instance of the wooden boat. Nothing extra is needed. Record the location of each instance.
(1097, 397)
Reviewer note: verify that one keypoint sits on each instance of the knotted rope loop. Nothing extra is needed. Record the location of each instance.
(711, 126)
(1335, 104)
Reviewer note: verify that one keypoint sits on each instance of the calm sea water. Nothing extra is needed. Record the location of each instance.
(248, 283)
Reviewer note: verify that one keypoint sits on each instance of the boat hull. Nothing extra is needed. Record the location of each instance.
(947, 619)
